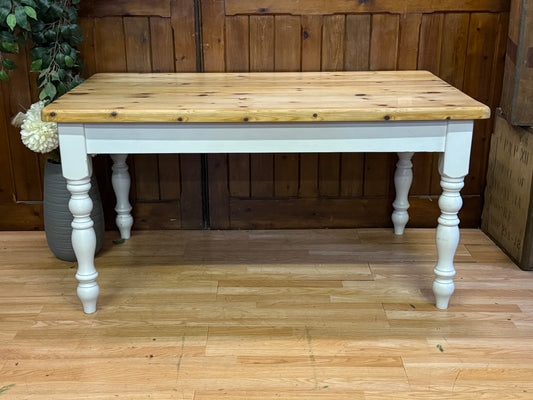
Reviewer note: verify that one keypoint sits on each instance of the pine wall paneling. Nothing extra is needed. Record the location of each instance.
(462, 42)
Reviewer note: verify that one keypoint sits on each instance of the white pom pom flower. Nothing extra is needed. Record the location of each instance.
(36, 134)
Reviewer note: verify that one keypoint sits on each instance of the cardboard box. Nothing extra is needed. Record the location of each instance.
(508, 209)
(517, 95)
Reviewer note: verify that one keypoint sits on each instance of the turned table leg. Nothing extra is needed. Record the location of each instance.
(121, 185)
(453, 167)
(450, 203)
(403, 177)
(84, 242)
(77, 170)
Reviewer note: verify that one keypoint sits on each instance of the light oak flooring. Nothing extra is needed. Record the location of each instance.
(303, 314)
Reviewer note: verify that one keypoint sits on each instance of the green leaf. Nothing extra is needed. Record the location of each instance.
(30, 3)
(11, 21)
(6, 36)
(8, 64)
(65, 47)
(9, 47)
(42, 95)
(3, 75)
(38, 37)
(50, 90)
(61, 89)
(50, 35)
(69, 62)
(47, 60)
(22, 18)
(36, 65)
(55, 10)
(5, 3)
(38, 52)
(60, 59)
(43, 5)
(30, 12)
(4, 12)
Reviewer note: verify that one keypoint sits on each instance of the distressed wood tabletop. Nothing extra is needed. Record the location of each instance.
(264, 97)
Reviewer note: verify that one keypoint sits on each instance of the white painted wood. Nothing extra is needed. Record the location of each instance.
(77, 170)
(455, 160)
(447, 239)
(403, 177)
(453, 167)
(84, 242)
(120, 180)
(75, 161)
(452, 139)
(393, 136)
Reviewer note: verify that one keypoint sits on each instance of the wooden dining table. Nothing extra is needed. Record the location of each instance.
(294, 112)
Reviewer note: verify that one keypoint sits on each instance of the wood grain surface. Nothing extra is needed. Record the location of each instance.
(264, 315)
(324, 7)
(264, 97)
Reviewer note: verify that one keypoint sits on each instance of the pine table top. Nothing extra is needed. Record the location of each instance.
(264, 97)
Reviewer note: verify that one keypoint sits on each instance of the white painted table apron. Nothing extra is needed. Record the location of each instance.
(450, 138)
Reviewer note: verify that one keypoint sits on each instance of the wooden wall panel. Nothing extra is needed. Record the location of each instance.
(7, 187)
(356, 36)
(482, 39)
(26, 174)
(333, 38)
(325, 7)
(109, 48)
(213, 37)
(453, 51)
(408, 41)
(262, 175)
(357, 47)
(239, 175)
(311, 42)
(462, 42)
(99, 8)
(262, 41)
(237, 44)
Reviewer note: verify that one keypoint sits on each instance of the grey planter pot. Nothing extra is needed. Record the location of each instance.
(57, 216)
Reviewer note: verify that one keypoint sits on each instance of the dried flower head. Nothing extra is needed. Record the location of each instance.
(36, 134)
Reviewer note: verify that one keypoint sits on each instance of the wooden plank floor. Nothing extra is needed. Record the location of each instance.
(304, 314)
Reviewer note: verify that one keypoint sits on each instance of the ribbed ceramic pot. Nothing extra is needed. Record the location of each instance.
(57, 216)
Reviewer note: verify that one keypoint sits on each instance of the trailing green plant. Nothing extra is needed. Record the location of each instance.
(49, 28)
(54, 33)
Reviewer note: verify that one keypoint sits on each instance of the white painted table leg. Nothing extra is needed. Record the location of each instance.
(77, 170)
(453, 167)
(403, 177)
(84, 242)
(450, 203)
(121, 185)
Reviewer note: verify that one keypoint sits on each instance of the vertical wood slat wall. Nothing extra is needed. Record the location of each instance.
(463, 44)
